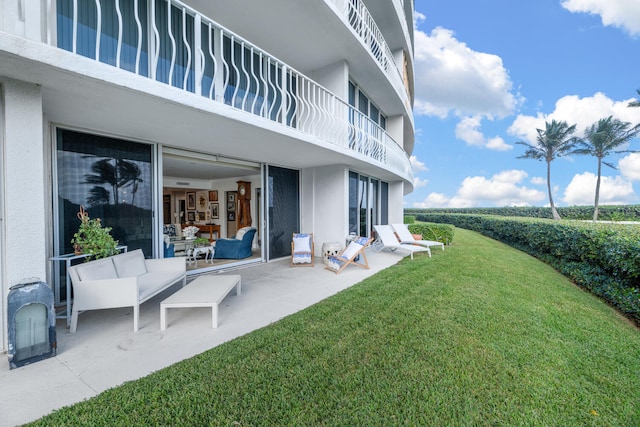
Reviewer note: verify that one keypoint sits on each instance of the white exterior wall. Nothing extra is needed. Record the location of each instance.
(395, 128)
(396, 202)
(24, 190)
(325, 204)
(334, 77)
(22, 18)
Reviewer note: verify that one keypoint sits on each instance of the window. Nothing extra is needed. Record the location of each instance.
(359, 100)
(87, 16)
(112, 179)
(368, 203)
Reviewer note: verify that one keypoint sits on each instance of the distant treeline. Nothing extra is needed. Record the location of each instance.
(606, 213)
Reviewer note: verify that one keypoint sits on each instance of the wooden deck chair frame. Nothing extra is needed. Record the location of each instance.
(349, 255)
(299, 249)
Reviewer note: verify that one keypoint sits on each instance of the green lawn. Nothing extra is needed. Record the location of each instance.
(480, 334)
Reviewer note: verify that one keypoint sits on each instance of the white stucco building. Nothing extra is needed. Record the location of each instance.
(136, 109)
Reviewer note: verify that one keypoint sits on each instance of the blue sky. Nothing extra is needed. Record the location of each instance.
(488, 73)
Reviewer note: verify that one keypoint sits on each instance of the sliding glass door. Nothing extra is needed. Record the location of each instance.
(112, 179)
(283, 209)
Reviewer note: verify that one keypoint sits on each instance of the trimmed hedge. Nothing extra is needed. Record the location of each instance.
(432, 231)
(602, 258)
(605, 213)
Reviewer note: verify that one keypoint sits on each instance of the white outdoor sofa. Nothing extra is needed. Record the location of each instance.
(123, 280)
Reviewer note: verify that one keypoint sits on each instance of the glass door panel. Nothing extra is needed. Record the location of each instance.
(283, 209)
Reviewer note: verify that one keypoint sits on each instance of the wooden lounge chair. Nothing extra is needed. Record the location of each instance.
(348, 256)
(406, 237)
(302, 254)
(389, 240)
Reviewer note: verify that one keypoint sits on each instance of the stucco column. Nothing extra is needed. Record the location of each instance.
(25, 183)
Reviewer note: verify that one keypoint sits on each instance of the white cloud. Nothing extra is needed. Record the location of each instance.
(502, 189)
(582, 112)
(453, 78)
(538, 180)
(417, 167)
(623, 14)
(468, 131)
(630, 167)
(613, 190)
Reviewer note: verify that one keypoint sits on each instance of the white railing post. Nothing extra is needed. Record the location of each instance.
(198, 55)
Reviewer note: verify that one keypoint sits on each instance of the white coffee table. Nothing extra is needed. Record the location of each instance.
(205, 291)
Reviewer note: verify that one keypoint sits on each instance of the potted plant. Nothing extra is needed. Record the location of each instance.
(201, 242)
(92, 238)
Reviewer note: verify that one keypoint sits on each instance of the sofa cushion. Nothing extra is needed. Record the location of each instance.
(150, 283)
(101, 269)
(130, 264)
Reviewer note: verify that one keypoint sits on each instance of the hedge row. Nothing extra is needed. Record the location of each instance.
(431, 231)
(605, 213)
(602, 258)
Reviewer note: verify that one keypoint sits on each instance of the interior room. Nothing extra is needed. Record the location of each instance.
(221, 198)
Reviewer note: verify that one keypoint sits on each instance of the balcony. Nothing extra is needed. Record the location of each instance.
(168, 42)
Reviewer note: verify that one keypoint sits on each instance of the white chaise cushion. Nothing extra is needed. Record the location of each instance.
(130, 264)
(101, 269)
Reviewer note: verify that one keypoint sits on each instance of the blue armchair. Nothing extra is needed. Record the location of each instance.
(169, 249)
(236, 248)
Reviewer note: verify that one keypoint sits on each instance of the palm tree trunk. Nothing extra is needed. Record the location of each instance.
(554, 212)
(595, 210)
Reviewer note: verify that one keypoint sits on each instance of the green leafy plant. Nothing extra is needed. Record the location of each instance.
(201, 241)
(92, 238)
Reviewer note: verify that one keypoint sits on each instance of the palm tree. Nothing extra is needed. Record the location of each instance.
(635, 103)
(601, 139)
(129, 174)
(104, 172)
(553, 141)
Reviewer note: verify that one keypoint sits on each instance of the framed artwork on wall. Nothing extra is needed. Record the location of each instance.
(201, 216)
(191, 200)
(213, 207)
(231, 216)
(191, 216)
(213, 196)
(202, 201)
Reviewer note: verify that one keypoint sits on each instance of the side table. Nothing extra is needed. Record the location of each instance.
(330, 249)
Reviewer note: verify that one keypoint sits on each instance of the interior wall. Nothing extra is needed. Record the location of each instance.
(223, 186)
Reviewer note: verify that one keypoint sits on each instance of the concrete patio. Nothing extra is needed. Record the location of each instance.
(105, 352)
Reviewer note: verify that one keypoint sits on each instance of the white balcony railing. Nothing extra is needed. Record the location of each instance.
(356, 13)
(169, 42)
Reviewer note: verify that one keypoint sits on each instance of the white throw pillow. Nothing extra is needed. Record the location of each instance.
(240, 233)
(130, 264)
(301, 244)
(97, 270)
(351, 250)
